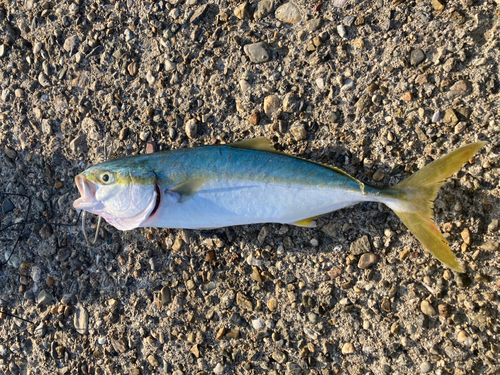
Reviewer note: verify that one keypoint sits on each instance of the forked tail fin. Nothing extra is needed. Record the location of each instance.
(415, 201)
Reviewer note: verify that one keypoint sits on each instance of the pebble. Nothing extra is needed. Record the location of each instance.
(290, 103)
(133, 68)
(191, 128)
(348, 348)
(425, 367)
(257, 52)
(7, 206)
(490, 246)
(298, 131)
(466, 236)
(378, 176)
(244, 302)
(279, 356)
(493, 225)
(272, 304)
(360, 246)
(417, 56)
(44, 80)
(153, 361)
(436, 116)
(367, 260)
(198, 14)
(264, 7)
(288, 13)
(438, 5)
(460, 88)
(71, 44)
(44, 298)
(241, 10)
(40, 330)
(450, 117)
(386, 305)
(81, 320)
(258, 324)
(464, 339)
(219, 369)
(170, 66)
(254, 118)
(341, 31)
(271, 105)
(427, 308)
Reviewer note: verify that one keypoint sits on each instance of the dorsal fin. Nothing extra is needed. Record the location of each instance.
(264, 144)
(256, 144)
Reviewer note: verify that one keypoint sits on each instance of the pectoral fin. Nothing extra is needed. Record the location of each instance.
(187, 189)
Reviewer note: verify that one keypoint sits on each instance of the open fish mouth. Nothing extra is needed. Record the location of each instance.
(87, 200)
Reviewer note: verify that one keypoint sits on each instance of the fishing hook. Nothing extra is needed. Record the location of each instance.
(99, 222)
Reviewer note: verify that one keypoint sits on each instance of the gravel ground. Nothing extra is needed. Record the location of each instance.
(377, 88)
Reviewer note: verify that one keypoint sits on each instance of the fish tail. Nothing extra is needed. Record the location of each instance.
(415, 197)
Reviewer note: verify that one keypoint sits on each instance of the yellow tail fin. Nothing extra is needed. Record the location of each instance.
(415, 201)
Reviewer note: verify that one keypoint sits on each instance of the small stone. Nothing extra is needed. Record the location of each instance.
(43, 80)
(220, 333)
(272, 304)
(44, 298)
(444, 310)
(271, 105)
(360, 246)
(257, 52)
(348, 348)
(198, 14)
(254, 118)
(243, 301)
(463, 339)
(241, 10)
(367, 260)
(264, 7)
(233, 334)
(10, 152)
(170, 66)
(258, 324)
(425, 367)
(191, 128)
(407, 97)
(129, 35)
(463, 280)
(299, 131)
(417, 56)
(457, 17)
(438, 5)
(71, 44)
(7, 206)
(341, 31)
(81, 320)
(290, 103)
(40, 330)
(190, 285)
(150, 77)
(427, 308)
(264, 232)
(460, 88)
(493, 225)
(466, 236)
(314, 24)
(219, 369)
(153, 361)
(378, 176)
(386, 305)
(150, 147)
(279, 356)
(450, 117)
(288, 13)
(133, 68)
(490, 246)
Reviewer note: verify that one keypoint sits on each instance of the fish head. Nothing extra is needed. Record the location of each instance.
(124, 197)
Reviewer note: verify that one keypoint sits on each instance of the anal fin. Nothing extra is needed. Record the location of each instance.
(306, 223)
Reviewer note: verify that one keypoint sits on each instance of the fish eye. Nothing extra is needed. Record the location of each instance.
(105, 177)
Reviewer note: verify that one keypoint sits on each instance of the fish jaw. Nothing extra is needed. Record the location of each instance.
(87, 200)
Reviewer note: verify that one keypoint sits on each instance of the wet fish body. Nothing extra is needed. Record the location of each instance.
(249, 182)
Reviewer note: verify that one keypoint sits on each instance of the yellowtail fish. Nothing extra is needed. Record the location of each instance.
(250, 182)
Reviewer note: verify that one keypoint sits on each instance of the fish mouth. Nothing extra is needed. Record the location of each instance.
(87, 190)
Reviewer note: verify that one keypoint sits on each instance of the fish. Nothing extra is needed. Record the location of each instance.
(249, 182)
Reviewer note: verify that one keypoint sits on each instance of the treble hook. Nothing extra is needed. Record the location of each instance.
(92, 243)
